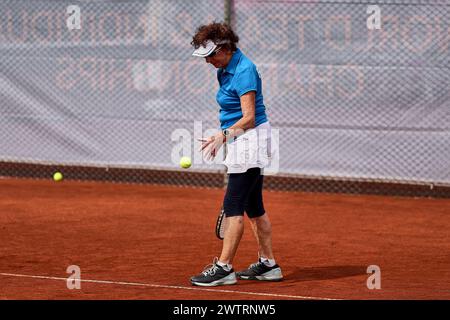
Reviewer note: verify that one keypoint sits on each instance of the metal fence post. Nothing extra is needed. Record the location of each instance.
(228, 12)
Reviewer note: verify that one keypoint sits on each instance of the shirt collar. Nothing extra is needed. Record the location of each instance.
(231, 67)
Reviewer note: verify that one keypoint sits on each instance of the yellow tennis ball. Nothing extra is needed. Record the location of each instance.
(57, 176)
(185, 162)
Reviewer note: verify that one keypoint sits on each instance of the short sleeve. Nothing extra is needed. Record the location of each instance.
(246, 80)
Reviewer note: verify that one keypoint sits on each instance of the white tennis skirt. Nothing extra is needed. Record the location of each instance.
(253, 149)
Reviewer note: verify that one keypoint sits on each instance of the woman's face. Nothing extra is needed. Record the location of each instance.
(219, 58)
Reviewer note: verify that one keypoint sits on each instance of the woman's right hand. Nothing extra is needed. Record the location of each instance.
(210, 146)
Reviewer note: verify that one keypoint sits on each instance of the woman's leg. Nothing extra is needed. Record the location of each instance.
(262, 230)
(232, 237)
(266, 267)
(240, 186)
(259, 220)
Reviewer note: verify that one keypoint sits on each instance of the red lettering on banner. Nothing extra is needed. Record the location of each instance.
(445, 38)
(280, 32)
(389, 32)
(117, 28)
(35, 28)
(87, 71)
(24, 33)
(301, 30)
(333, 21)
(321, 79)
(122, 75)
(65, 79)
(343, 91)
(425, 41)
(293, 80)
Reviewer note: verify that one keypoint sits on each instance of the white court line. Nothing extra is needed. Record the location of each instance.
(169, 287)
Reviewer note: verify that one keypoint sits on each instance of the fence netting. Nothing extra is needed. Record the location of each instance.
(357, 91)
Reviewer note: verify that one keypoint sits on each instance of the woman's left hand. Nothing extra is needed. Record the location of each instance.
(211, 146)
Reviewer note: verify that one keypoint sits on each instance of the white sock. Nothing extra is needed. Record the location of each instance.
(268, 262)
(225, 266)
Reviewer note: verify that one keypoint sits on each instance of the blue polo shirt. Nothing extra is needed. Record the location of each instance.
(239, 77)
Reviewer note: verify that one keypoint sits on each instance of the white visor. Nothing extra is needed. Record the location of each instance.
(210, 46)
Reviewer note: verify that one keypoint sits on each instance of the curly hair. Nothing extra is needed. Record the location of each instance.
(216, 32)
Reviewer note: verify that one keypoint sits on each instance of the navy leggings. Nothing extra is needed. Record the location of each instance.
(244, 193)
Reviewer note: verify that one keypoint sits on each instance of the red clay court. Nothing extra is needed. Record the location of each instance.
(109, 94)
(145, 241)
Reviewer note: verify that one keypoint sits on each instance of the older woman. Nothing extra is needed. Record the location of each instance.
(246, 130)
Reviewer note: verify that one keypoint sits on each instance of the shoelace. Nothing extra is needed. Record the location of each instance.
(211, 268)
(254, 265)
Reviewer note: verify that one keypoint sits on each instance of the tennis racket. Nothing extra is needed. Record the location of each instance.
(221, 225)
(221, 221)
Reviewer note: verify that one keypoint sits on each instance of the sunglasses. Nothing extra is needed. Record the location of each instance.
(212, 54)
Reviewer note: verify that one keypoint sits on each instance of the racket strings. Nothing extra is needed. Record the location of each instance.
(222, 227)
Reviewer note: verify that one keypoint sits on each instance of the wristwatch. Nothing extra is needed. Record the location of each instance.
(226, 134)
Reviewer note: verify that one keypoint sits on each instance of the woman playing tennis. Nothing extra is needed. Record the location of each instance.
(246, 131)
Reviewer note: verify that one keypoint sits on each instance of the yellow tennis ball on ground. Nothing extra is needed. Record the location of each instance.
(57, 176)
(185, 162)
